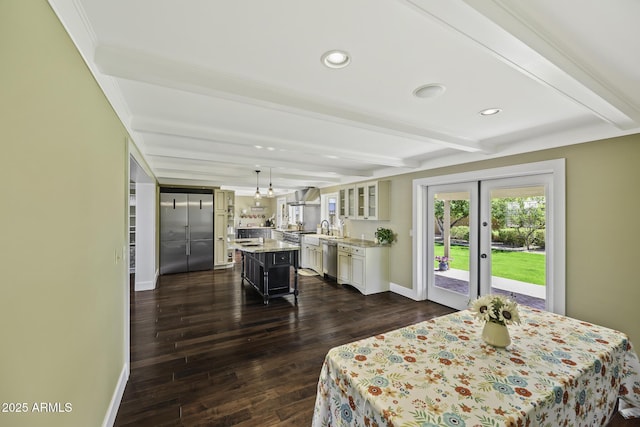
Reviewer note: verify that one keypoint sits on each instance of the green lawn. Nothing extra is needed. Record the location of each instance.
(523, 266)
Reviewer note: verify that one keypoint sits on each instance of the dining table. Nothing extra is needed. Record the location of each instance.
(557, 371)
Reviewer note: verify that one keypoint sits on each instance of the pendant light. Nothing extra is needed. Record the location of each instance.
(257, 195)
(270, 191)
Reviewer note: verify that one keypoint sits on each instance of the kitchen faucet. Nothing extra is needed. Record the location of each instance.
(322, 226)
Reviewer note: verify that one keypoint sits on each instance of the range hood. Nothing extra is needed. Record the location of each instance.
(309, 196)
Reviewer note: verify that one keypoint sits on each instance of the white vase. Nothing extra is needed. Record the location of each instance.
(496, 334)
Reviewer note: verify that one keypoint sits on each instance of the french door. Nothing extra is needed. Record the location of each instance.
(514, 225)
(452, 278)
(503, 233)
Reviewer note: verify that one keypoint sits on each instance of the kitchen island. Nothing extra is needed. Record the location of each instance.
(253, 232)
(266, 265)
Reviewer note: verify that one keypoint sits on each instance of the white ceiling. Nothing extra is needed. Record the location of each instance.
(210, 91)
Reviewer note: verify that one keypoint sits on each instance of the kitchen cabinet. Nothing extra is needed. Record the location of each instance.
(372, 200)
(311, 256)
(347, 202)
(220, 201)
(344, 267)
(351, 202)
(364, 268)
(132, 228)
(220, 243)
(305, 255)
(224, 212)
(230, 200)
(316, 258)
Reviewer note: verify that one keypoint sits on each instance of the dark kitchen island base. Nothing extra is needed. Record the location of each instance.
(269, 273)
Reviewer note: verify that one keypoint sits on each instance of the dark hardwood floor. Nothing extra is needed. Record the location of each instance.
(206, 351)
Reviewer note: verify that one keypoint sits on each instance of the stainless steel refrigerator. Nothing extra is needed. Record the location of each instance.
(186, 232)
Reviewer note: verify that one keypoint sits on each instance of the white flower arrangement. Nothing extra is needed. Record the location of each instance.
(497, 309)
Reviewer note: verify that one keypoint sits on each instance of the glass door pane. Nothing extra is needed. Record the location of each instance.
(342, 195)
(514, 224)
(351, 202)
(453, 216)
(371, 200)
(360, 190)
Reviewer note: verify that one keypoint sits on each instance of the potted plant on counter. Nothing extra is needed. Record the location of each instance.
(384, 236)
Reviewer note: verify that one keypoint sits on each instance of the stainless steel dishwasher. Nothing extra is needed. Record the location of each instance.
(330, 258)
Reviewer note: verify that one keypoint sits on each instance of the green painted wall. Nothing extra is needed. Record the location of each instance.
(602, 181)
(63, 169)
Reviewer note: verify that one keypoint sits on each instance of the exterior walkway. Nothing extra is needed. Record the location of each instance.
(524, 293)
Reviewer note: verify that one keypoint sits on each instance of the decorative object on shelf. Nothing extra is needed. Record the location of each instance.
(257, 195)
(443, 262)
(270, 190)
(384, 236)
(497, 311)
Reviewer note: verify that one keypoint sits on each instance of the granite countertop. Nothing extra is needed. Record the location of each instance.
(262, 245)
(362, 243)
(252, 227)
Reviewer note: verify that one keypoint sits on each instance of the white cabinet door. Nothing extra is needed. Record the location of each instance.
(317, 259)
(376, 200)
(304, 256)
(351, 202)
(361, 201)
(220, 200)
(220, 239)
(344, 267)
(342, 203)
(358, 272)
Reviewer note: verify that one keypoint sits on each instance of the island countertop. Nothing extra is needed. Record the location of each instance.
(265, 245)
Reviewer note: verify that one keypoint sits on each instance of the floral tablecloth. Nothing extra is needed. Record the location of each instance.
(558, 371)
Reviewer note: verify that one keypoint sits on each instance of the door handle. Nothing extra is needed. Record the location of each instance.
(483, 256)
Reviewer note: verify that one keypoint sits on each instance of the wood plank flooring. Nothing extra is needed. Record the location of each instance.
(205, 350)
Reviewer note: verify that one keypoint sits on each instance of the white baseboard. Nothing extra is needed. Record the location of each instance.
(401, 290)
(145, 286)
(148, 285)
(112, 410)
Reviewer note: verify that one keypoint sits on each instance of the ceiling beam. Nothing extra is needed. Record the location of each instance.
(498, 27)
(258, 162)
(237, 139)
(143, 67)
(215, 169)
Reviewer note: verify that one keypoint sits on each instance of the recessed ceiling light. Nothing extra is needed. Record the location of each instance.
(429, 91)
(490, 111)
(336, 59)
